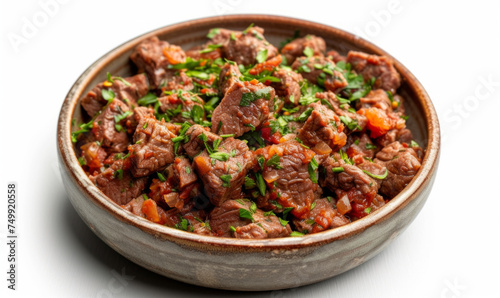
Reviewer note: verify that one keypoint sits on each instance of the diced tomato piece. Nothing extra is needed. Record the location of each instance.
(378, 121)
(271, 138)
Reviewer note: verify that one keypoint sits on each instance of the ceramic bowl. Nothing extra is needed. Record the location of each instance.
(234, 264)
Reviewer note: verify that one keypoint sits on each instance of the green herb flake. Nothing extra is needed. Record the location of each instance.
(220, 156)
(246, 214)
(283, 222)
(380, 177)
(253, 207)
(308, 52)
(261, 56)
(369, 146)
(226, 180)
(296, 234)
(249, 183)
(119, 174)
(261, 184)
(313, 205)
(414, 144)
(368, 210)
(147, 99)
(211, 34)
(274, 161)
(161, 177)
(108, 94)
(286, 211)
(82, 161)
(338, 169)
(312, 167)
(233, 229)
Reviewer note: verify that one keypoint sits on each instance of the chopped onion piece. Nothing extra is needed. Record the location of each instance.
(343, 205)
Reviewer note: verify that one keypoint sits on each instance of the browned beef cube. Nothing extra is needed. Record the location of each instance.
(296, 47)
(403, 135)
(323, 126)
(109, 127)
(348, 116)
(360, 146)
(379, 67)
(153, 148)
(118, 184)
(228, 221)
(336, 56)
(320, 70)
(184, 171)
(287, 178)
(322, 216)
(153, 56)
(223, 172)
(244, 107)
(135, 206)
(355, 188)
(140, 114)
(129, 91)
(229, 74)
(179, 106)
(341, 175)
(195, 143)
(402, 163)
(289, 86)
(376, 98)
(245, 46)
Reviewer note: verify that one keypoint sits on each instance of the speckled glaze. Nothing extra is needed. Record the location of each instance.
(249, 265)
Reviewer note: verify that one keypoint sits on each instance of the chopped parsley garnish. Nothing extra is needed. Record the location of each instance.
(147, 99)
(253, 207)
(286, 211)
(249, 183)
(313, 205)
(233, 229)
(197, 114)
(119, 174)
(108, 95)
(84, 127)
(308, 52)
(82, 161)
(312, 167)
(414, 144)
(188, 170)
(274, 161)
(369, 146)
(351, 124)
(283, 222)
(260, 161)
(247, 98)
(380, 177)
(182, 225)
(220, 156)
(368, 210)
(305, 115)
(262, 56)
(246, 214)
(119, 118)
(296, 234)
(261, 184)
(211, 34)
(161, 177)
(345, 157)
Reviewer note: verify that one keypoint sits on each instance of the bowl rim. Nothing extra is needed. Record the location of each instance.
(412, 190)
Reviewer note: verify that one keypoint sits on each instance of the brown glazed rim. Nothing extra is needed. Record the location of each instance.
(411, 192)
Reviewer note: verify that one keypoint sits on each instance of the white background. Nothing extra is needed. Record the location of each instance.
(450, 250)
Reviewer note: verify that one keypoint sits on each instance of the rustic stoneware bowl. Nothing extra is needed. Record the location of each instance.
(234, 264)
